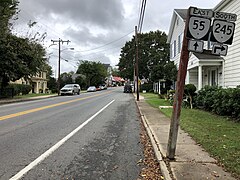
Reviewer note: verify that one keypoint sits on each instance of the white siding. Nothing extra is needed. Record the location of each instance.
(232, 60)
(177, 30)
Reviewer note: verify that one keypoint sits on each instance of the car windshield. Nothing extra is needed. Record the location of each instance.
(68, 86)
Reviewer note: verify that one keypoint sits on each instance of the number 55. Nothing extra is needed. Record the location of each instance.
(198, 25)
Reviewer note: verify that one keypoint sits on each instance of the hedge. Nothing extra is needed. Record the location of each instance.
(20, 89)
(220, 101)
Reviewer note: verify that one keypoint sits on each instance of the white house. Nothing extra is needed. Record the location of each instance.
(205, 68)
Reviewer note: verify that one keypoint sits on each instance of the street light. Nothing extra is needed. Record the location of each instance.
(59, 59)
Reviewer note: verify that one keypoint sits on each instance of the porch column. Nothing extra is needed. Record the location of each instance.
(199, 77)
(159, 85)
(223, 74)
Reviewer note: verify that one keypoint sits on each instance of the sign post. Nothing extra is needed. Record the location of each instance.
(197, 30)
(172, 140)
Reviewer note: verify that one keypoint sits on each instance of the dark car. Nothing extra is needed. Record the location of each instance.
(127, 88)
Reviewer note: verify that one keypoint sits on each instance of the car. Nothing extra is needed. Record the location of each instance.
(127, 88)
(91, 89)
(70, 89)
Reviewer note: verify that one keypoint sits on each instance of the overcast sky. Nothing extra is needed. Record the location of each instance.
(97, 29)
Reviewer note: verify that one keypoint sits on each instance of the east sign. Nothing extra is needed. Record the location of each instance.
(199, 23)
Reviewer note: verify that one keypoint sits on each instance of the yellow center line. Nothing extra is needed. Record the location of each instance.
(44, 107)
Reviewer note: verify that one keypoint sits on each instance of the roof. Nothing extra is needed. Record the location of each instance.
(207, 55)
(182, 14)
(220, 5)
(117, 79)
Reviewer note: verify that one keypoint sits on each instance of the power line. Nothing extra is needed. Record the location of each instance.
(141, 17)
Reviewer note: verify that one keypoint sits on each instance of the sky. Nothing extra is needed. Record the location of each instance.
(96, 29)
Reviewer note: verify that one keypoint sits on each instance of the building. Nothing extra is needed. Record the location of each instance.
(207, 69)
(38, 82)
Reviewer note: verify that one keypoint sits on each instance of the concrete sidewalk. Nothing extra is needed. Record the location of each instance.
(191, 161)
(14, 100)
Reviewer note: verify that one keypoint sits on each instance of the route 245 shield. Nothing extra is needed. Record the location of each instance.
(222, 32)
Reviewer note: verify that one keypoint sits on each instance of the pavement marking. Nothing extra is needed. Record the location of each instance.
(56, 146)
(44, 107)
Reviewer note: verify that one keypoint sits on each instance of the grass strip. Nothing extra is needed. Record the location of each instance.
(218, 135)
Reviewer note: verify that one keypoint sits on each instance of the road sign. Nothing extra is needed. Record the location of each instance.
(198, 28)
(196, 46)
(222, 32)
(225, 16)
(207, 13)
(219, 49)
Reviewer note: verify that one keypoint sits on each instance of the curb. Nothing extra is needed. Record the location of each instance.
(156, 149)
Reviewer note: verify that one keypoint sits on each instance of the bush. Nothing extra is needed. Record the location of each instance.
(220, 101)
(148, 87)
(189, 92)
(20, 89)
(205, 97)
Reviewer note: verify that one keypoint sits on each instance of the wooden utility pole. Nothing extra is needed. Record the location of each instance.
(59, 41)
(136, 64)
(182, 71)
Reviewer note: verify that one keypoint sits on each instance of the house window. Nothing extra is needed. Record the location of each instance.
(171, 51)
(174, 48)
(180, 38)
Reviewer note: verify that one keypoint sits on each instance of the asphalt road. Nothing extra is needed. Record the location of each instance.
(87, 136)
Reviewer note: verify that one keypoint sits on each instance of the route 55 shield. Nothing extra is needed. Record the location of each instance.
(198, 28)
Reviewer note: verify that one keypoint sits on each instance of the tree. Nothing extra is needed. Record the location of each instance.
(153, 56)
(66, 78)
(19, 57)
(95, 72)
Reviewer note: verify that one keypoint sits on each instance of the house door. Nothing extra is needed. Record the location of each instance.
(213, 78)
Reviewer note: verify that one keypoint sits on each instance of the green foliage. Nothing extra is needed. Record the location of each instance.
(95, 72)
(148, 87)
(153, 58)
(217, 135)
(205, 97)
(190, 89)
(220, 101)
(189, 92)
(20, 89)
(66, 78)
(8, 8)
(19, 57)
(81, 80)
(52, 84)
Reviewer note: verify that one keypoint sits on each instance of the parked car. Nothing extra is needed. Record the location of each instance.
(70, 89)
(91, 89)
(127, 88)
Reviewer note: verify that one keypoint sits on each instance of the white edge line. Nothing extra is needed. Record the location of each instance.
(55, 147)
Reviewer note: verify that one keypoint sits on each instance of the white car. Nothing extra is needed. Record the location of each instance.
(91, 89)
(70, 89)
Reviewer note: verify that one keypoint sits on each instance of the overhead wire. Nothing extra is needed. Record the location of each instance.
(141, 16)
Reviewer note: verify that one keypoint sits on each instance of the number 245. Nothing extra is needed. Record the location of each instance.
(225, 29)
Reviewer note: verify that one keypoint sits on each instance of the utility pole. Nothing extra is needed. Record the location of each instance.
(136, 64)
(59, 41)
(174, 126)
